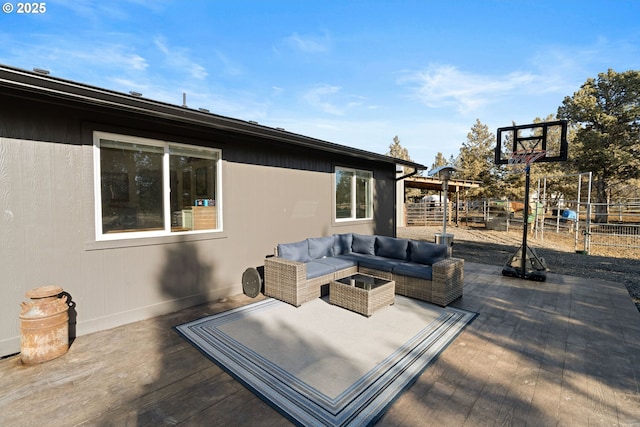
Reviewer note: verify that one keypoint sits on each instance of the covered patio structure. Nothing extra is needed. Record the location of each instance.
(431, 184)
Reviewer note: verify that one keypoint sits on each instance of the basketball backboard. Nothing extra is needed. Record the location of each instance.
(550, 137)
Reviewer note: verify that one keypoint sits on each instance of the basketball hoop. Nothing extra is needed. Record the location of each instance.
(520, 160)
(519, 147)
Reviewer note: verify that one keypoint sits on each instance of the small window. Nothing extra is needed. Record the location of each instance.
(353, 194)
(147, 187)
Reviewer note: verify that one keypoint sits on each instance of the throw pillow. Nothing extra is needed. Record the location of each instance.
(321, 247)
(364, 244)
(427, 253)
(391, 247)
(298, 251)
(342, 243)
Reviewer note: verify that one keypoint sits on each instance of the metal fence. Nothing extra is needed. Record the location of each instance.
(619, 236)
(478, 212)
(425, 213)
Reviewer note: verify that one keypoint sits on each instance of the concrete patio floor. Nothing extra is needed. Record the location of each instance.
(562, 352)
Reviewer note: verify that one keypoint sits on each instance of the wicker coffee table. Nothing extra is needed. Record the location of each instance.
(362, 293)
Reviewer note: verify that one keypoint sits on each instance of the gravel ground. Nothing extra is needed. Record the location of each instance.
(496, 248)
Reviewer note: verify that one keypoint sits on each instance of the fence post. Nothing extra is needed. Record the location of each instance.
(587, 230)
(485, 213)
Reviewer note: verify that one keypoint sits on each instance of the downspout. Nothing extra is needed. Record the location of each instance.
(415, 171)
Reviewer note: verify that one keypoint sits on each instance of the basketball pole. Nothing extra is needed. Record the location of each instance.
(525, 221)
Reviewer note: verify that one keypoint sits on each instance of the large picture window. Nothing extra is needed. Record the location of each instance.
(353, 194)
(147, 187)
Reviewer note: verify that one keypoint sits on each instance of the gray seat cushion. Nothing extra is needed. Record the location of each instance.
(411, 269)
(338, 262)
(354, 257)
(379, 263)
(317, 269)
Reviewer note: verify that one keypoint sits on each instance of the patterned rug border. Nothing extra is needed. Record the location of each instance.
(361, 404)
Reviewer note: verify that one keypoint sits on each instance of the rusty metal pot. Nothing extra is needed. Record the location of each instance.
(44, 325)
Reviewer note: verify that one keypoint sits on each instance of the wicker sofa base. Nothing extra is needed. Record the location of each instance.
(285, 280)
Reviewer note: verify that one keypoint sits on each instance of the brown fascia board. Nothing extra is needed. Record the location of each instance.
(62, 89)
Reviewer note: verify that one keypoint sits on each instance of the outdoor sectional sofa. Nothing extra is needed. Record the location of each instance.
(421, 270)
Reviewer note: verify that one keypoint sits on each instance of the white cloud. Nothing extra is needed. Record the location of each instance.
(179, 58)
(90, 10)
(115, 55)
(128, 83)
(318, 97)
(566, 68)
(86, 62)
(331, 100)
(308, 43)
(96, 11)
(551, 72)
(446, 85)
(230, 67)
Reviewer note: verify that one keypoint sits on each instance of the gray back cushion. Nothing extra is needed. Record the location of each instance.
(342, 243)
(298, 251)
(391, 247)
(320, 247)
(364, 244)
(426, 253)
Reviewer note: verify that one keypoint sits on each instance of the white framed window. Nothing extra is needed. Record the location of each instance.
(145, 187)
(353, 194)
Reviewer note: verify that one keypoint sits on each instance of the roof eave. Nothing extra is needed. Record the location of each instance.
(78, 92)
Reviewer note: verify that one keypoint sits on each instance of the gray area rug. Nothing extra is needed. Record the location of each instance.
(319, 364)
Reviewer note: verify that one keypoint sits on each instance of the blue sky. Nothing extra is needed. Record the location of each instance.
(352, 72)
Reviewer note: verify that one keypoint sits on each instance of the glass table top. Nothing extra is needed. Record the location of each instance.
(363, 281)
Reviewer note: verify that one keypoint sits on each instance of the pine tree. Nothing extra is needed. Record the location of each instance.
(606, 112)
(476, 159)
(440, 160)
(397, 151)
